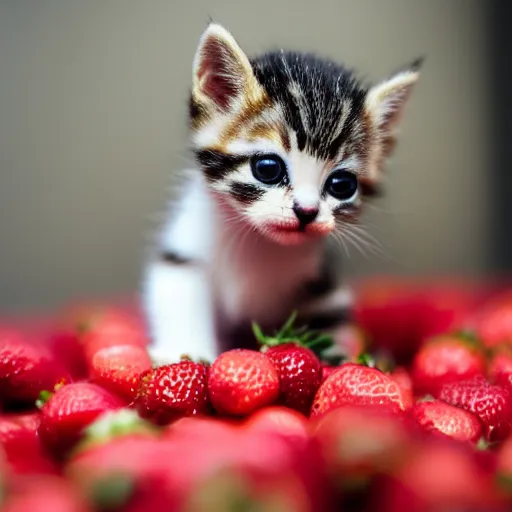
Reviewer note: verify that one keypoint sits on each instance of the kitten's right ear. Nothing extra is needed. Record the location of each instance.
(222, 73)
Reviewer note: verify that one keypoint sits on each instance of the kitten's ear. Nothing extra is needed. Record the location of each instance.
(222, 72)
(385, 102)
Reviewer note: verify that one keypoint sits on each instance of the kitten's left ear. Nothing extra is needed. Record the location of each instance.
(385, 102)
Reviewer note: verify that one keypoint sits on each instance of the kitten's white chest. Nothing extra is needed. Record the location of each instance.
(258, 279)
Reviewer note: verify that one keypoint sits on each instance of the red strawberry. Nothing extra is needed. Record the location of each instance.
(119, 368)
(110, 328)
(445, 359)
(299, 373)
(139, 464)
(403, 379)
(242, 381)
(438, 416)
(279, 420)
(21, 444)
(387, 309)
(44, 494)
(358, 442)
(494, 323)
(354, 384)
(171, 391)
(438, 476)
(66, 347)
(504, 466)
(26, 369)
(492, 404)
(69, 410)
(499, 370)
(327, 370)
(234, 487)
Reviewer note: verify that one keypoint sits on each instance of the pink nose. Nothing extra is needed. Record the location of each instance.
(305, 215)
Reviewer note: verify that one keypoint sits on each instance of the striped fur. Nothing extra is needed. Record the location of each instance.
(235, 249)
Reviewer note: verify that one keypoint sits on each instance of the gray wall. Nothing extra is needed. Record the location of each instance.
(92, 124)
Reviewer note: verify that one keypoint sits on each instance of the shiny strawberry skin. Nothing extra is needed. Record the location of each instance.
(492, 404)
(354, 384)
(44, 494)
(242, 381)
(500, 368)
(402, 377)
(21, 445)
(172, 391)
(300, 375)
(119, 369)
(327, 370)
(26, 369)
(494, 323)
(108, 328)
(69, 410)
(451, 421)
(442, 360)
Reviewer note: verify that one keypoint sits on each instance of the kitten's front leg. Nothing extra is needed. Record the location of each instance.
(179, 311)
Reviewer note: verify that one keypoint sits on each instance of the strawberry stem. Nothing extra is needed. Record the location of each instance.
(44, 396)
(366, 359)
(287, 327)
(315, 341)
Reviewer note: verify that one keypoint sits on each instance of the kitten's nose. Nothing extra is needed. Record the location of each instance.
(305, 215)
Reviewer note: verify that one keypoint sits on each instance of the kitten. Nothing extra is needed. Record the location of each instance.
(288, 145)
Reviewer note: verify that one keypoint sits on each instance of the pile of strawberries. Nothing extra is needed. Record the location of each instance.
(412, 413)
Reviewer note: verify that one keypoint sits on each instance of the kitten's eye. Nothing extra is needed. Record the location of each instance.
(341, 184)
(269, 169)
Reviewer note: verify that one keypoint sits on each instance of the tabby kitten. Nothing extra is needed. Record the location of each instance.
(287, 146)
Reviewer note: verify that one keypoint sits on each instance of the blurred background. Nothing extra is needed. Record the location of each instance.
(93, 125)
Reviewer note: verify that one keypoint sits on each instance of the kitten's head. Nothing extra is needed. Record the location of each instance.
(291, 142)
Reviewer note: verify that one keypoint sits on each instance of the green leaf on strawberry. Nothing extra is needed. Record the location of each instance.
(318, 342)
(44, 396)
(366, 359)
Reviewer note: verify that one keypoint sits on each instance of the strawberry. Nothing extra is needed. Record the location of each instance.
(398, 313)
(358, 442)
(299, 374)
(109, 328)
(499, 370)
(21, 444)
(492, 404)
(69, 410)
(401, 376)
(119, 368)
(504, 466)
(437, 475)
(242, 381)
(445, 359)
(279, 420)
(44, 494)
(169, 392)
(129, 473)
(493, 325)
(354, 384)
(238, 488)
(26, 369)
(440, 417)
(327, 370)
(66, 347)
(387, 309)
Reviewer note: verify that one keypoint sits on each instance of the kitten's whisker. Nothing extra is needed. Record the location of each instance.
(341, 242)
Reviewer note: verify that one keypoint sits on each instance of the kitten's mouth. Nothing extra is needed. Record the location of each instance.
(293, 232)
